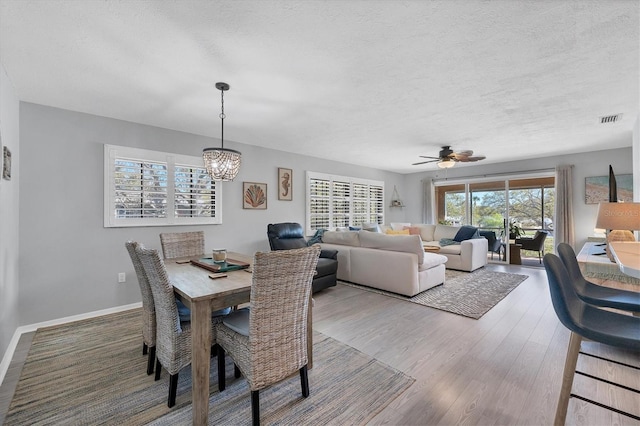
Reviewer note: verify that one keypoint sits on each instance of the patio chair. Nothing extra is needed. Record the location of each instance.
(494, 244)
(534, 244)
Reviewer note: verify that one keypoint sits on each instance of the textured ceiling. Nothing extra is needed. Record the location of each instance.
(375, 83)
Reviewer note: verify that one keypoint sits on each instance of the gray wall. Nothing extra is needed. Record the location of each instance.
(585, 164)
(69, 262)
(9, 132)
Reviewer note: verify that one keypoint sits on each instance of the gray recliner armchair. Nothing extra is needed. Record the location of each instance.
(290, 235)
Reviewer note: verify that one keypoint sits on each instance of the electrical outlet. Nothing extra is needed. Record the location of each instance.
(122, 277)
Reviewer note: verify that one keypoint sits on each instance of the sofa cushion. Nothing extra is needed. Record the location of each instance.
(371, 226)
(345, 238)
(401, 243)
(451, 249)
(399, 226)
(431, 260)
(445, 231)
(413, 230)
(426, 231)
(465, 232)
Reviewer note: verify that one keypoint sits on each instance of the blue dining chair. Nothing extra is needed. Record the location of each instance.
(586, 321)
(594, 294)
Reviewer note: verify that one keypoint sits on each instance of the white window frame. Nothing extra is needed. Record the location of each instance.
(352, 181)
(113, 152)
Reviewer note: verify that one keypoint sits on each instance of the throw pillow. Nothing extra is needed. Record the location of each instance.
(413, 230)
(401, 232)
(371, 226)
(354, 228)
(465, 232)
(317, 237)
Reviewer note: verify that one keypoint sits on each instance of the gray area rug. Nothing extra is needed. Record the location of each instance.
(463, 293)
(93, 372)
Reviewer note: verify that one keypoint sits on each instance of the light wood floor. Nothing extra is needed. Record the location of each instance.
(503, 369)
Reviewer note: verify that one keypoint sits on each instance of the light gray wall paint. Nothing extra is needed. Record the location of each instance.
(585, 164)
(69, 262)
(9, 218)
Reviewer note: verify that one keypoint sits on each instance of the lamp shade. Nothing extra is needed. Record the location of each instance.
(619, 216)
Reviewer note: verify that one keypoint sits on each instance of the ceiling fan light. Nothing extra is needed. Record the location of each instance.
(446, 163)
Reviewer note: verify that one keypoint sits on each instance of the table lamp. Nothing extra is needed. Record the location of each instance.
(619, 219)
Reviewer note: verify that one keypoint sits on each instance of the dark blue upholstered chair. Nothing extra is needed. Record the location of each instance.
(290, 235)
(588, 322)
(594, 294)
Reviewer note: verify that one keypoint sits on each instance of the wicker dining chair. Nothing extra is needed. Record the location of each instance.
(148, 308)
(182, 244)
(268, 342)
(185, 244)
(173, 338)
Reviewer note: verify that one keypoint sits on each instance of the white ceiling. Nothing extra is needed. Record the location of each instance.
(375, 83)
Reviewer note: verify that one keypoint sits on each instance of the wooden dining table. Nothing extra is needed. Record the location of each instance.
(202, 294)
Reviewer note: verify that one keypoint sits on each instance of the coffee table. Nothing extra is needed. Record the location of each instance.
(431, 249)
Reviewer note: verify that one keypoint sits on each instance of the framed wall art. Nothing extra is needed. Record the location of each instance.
(285, 184)
(596, 189)
(6, 163)
(254, 195)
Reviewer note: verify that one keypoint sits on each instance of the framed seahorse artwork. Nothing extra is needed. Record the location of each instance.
(285, 184)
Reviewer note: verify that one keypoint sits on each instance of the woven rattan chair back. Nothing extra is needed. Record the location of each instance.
(148, 307)
(182, 244)
(173, 339)
(279, 307)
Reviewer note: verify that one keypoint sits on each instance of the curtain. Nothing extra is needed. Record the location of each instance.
(427, 210)
(563, 223)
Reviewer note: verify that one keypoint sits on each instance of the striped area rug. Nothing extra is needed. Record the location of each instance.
(93, 372)
(463, 293)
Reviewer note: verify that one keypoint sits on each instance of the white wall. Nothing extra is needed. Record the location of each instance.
(585, 164)
(69, 262)
(9, 243)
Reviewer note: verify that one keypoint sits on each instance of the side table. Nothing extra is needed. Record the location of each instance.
(514, 254)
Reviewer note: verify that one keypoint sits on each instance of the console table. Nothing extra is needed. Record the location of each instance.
(594, 263)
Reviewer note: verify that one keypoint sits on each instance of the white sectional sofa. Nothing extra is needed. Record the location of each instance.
(468, 255)
(395, 263)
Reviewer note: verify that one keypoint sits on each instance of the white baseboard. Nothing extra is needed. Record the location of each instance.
(8, 355)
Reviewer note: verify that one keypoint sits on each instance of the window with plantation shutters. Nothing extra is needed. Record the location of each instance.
(339, 201)
(150, 188)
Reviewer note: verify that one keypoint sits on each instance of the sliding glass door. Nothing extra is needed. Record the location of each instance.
(496, 206)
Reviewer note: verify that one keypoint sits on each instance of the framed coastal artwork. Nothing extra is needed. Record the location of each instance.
(285, 184)
(597, 189)
(254, 196)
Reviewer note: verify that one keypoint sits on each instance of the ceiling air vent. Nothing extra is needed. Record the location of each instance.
(610, 118)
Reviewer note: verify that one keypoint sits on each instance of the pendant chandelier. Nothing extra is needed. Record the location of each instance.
(222, 164)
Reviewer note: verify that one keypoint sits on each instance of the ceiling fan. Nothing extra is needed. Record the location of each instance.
(447, 158)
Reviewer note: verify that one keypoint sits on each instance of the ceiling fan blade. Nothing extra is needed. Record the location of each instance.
(425, 162)
(470, 159)
(427, 156)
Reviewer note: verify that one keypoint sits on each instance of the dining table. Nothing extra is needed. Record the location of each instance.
(202, 294)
